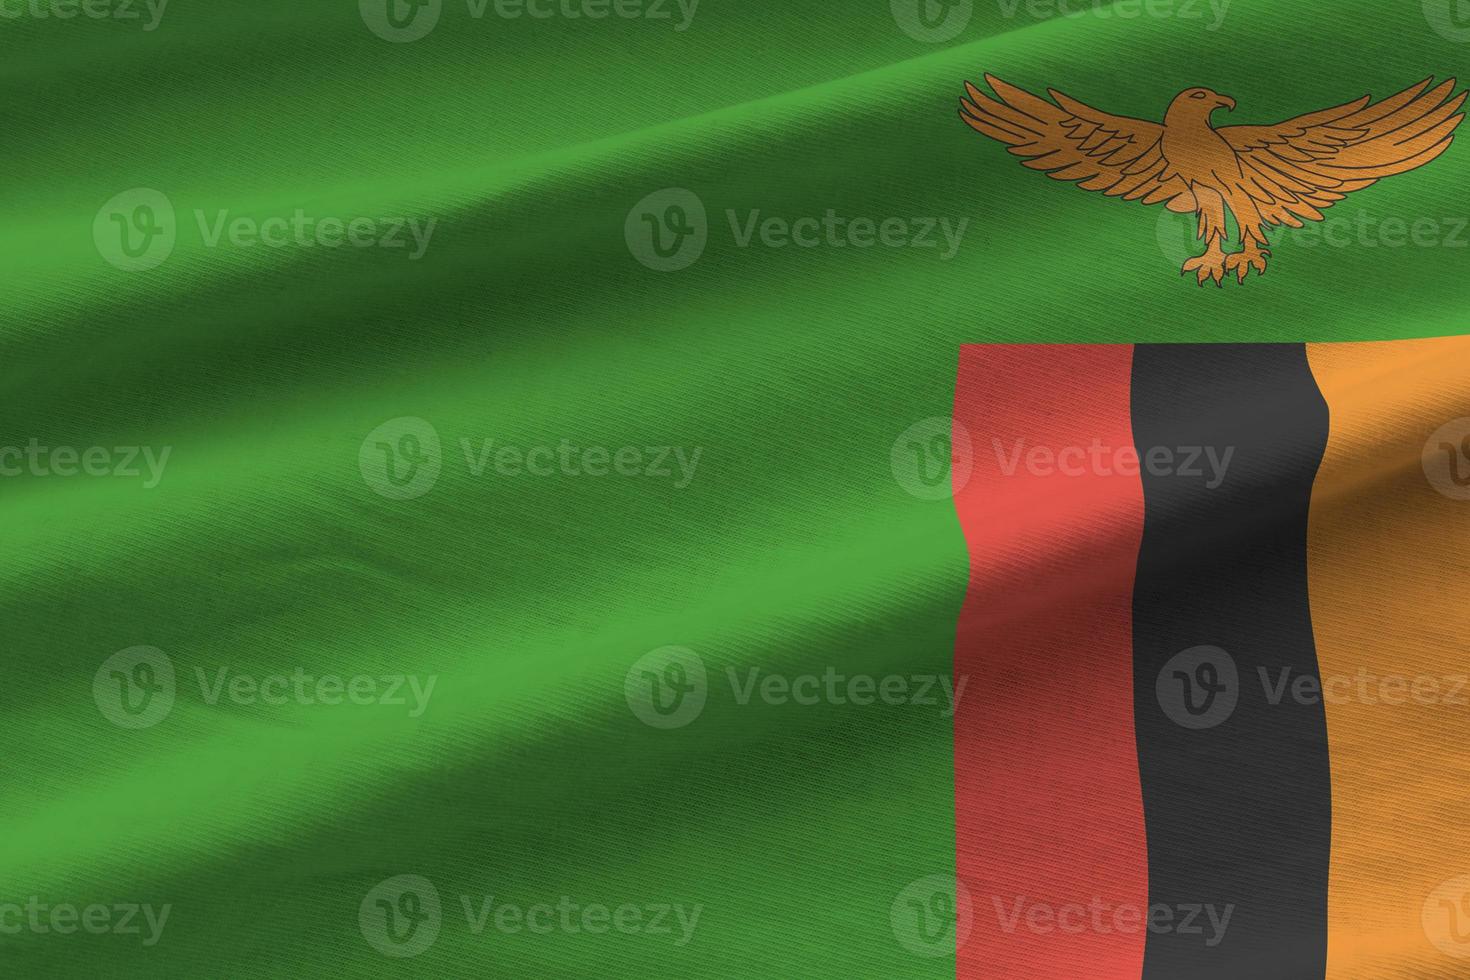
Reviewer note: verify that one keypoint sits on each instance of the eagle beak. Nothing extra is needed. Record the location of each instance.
(1227, 102)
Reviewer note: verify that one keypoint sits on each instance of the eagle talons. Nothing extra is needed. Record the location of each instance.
(1252, 256)
(1211, 265)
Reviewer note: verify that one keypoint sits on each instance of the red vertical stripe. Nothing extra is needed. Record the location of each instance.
(1050, 834)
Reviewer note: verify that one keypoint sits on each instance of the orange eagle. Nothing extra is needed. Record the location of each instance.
(1265, 176)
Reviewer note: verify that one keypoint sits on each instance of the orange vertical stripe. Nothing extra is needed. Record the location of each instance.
(1389, 575)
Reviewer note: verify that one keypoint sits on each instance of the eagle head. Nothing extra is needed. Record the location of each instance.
(1199, 103)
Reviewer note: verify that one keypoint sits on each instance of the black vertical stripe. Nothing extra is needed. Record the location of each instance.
(1237, 801)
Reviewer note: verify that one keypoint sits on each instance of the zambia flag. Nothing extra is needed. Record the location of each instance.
(715, 489)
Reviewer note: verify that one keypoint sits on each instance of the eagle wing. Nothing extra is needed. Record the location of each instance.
(1294, 169)
(1118, 155)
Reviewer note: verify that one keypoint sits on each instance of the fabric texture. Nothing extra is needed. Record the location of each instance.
(461, 508)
